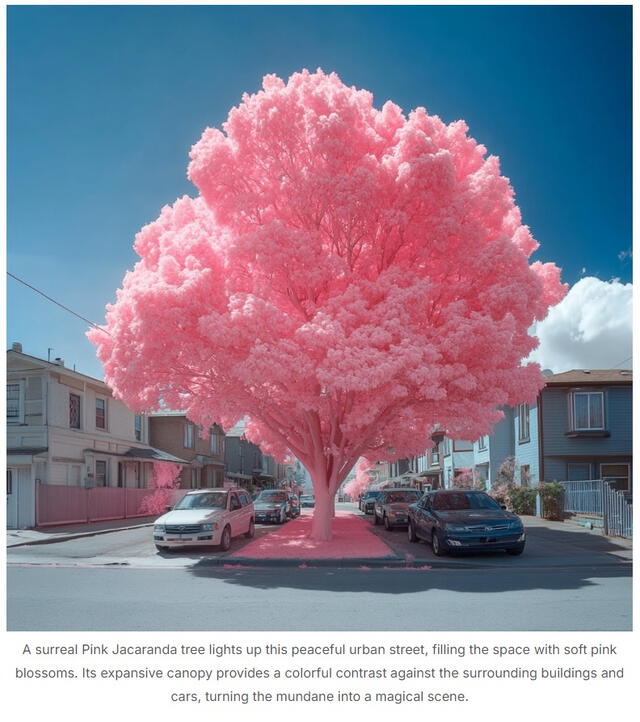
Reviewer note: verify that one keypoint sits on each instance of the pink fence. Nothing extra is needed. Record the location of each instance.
(59, 504)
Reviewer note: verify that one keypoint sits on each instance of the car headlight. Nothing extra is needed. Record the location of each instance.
(516, 524)
(455, 527)
(158, 529)
(209, 527)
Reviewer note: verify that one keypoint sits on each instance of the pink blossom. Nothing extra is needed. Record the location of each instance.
(347, 279)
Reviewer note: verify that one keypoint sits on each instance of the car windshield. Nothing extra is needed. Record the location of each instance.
(460, 500)
(372, 494)
(212, 500)
(273, 497)
(306, 498)
(396, 497)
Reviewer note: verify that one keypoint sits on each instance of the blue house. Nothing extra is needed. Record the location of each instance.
(585, 426)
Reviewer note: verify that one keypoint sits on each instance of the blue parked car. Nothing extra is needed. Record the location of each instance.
(455, 520)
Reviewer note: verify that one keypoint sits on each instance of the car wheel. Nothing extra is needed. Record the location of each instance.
(387, 523)
(411, 533)
(436, 545)
(516, 552)
(225, 539)
(251, 530)
(376, 521)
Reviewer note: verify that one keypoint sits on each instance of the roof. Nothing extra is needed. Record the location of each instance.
(146, 454)
(598, 377)
(56, 368)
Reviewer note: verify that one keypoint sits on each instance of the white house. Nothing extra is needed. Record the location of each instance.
(67, 434)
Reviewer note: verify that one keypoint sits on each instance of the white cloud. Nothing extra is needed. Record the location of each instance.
(589, 329)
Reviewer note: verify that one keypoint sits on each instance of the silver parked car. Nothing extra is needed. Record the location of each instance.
(208, 517)
(391, 506)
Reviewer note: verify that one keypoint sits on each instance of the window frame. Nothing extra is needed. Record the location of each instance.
(483, 442)
(19, 417)
(188, 439)
(524, 423)
(572, 407)
(103, 400)
(79, 398)
(137, 427)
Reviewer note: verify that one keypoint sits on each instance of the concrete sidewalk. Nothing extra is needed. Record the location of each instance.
(64, 532)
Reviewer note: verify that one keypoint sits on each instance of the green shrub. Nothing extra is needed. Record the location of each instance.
(522, 500)
(551, 493)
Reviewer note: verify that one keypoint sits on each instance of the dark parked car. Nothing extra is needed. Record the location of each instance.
(294, 505)
(367, 501)
(464, 520)
(391, 507)
(272, 505)
(307, 500)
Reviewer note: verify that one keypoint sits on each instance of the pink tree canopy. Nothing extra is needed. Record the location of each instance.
(347, 278)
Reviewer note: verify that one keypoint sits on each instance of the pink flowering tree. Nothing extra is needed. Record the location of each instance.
(361, 480)
(164, 481)
(346, 278)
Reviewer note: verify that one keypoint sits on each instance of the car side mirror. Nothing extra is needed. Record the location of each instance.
(168, 507)
(503, 506)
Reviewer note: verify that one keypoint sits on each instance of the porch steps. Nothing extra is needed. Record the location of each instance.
(588, 521)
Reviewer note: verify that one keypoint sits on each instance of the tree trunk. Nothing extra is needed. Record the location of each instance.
(323, 513)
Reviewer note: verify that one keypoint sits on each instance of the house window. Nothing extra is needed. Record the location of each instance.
(482, 443)
(74, 411)
(214, 443)
(101, 413)
(523, 422)
(588, 410)
(194, 478)
(188, 436)
(137, 424)
(618, 472)
(9, 482)
(578, 472)
(446, 446)
(101, 472)
(435, 457)
(15, 412)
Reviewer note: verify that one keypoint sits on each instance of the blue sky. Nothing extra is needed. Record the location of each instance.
(105, 102)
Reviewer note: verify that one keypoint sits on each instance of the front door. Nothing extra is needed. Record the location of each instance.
(20, 498)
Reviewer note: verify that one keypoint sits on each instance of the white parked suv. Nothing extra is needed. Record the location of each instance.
(206, 517)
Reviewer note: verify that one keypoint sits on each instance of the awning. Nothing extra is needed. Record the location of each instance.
(23, 455)
(141, 454)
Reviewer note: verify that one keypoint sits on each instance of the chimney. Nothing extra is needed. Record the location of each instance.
(16, 346)
(58, 361)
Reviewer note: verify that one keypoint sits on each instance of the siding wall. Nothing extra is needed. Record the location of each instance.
(527, 453)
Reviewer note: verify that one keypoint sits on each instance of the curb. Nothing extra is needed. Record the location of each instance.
(341, 563)
(80, 535)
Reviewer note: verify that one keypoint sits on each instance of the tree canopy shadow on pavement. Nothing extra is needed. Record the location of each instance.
(553, 560)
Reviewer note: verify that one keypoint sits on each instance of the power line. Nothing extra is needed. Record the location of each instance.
(33, 288)
(623, 362)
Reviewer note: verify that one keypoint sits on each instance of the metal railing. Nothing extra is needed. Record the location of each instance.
(600, 497)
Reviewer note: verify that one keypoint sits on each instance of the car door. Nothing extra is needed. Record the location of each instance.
(247, 511)
(235, 514)
(423, 525)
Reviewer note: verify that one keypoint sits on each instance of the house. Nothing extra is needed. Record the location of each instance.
(585, 426)
(174, 433)
(67, 435)
(245, 464)
(456, 456)
(489, 451)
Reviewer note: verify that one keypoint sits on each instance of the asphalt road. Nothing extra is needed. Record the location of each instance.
(567, 579)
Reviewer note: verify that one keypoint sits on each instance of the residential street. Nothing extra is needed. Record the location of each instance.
(567, 579)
